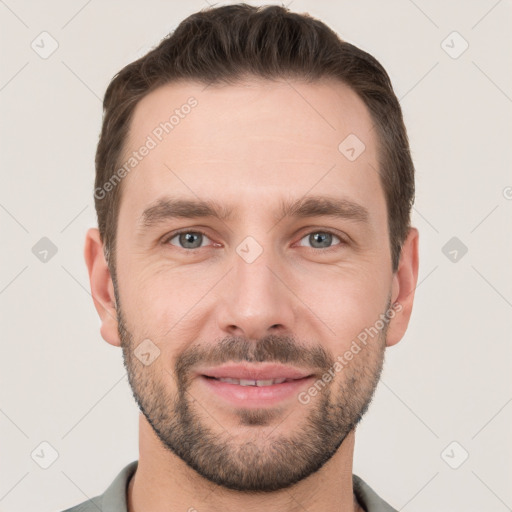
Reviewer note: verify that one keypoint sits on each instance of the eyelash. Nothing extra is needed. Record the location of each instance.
(342, 243)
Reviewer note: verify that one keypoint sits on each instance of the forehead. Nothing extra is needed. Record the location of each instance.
(253, 139)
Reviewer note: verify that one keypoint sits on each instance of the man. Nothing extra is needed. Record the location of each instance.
(254, 259)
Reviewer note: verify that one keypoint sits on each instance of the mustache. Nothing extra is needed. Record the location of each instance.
(272, 348)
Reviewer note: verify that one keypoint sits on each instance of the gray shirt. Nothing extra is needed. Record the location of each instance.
(114, 498)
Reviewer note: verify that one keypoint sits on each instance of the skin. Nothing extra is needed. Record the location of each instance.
(248, 146)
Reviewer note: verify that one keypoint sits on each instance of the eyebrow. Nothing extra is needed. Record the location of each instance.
(167, 208)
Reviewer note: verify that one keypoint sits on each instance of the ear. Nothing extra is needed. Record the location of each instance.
(404, 285)
(102, 288)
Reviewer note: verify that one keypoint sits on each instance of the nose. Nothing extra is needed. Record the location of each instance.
(255, 300)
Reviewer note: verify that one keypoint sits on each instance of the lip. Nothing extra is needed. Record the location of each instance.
(262, 371)
(254, 396)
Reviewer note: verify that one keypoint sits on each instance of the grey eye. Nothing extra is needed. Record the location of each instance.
(320, 239)
(189, 239)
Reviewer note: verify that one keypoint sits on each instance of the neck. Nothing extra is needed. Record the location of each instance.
(164, 483)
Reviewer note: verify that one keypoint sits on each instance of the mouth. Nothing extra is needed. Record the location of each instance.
(254, 385)
(251, 374)
(250, 382)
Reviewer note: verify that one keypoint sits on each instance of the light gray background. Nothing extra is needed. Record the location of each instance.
(447, 380)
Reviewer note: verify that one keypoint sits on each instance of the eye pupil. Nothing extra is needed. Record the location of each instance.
(190, 238)
(325, 239)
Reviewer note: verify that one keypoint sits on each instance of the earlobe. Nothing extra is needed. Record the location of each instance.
(404, 285)
(102, 288)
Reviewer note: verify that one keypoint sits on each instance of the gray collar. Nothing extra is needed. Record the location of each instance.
(114, 498)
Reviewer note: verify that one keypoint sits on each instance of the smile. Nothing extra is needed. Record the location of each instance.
(250, 382)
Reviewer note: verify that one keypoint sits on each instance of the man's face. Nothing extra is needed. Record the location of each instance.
(255, 291)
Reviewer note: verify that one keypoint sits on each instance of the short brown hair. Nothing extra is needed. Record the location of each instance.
(226, 44)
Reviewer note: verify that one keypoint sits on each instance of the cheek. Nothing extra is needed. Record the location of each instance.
(164, 304)
(154, 287)
(347, 301)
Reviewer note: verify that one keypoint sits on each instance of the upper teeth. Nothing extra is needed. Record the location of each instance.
(248, 382)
